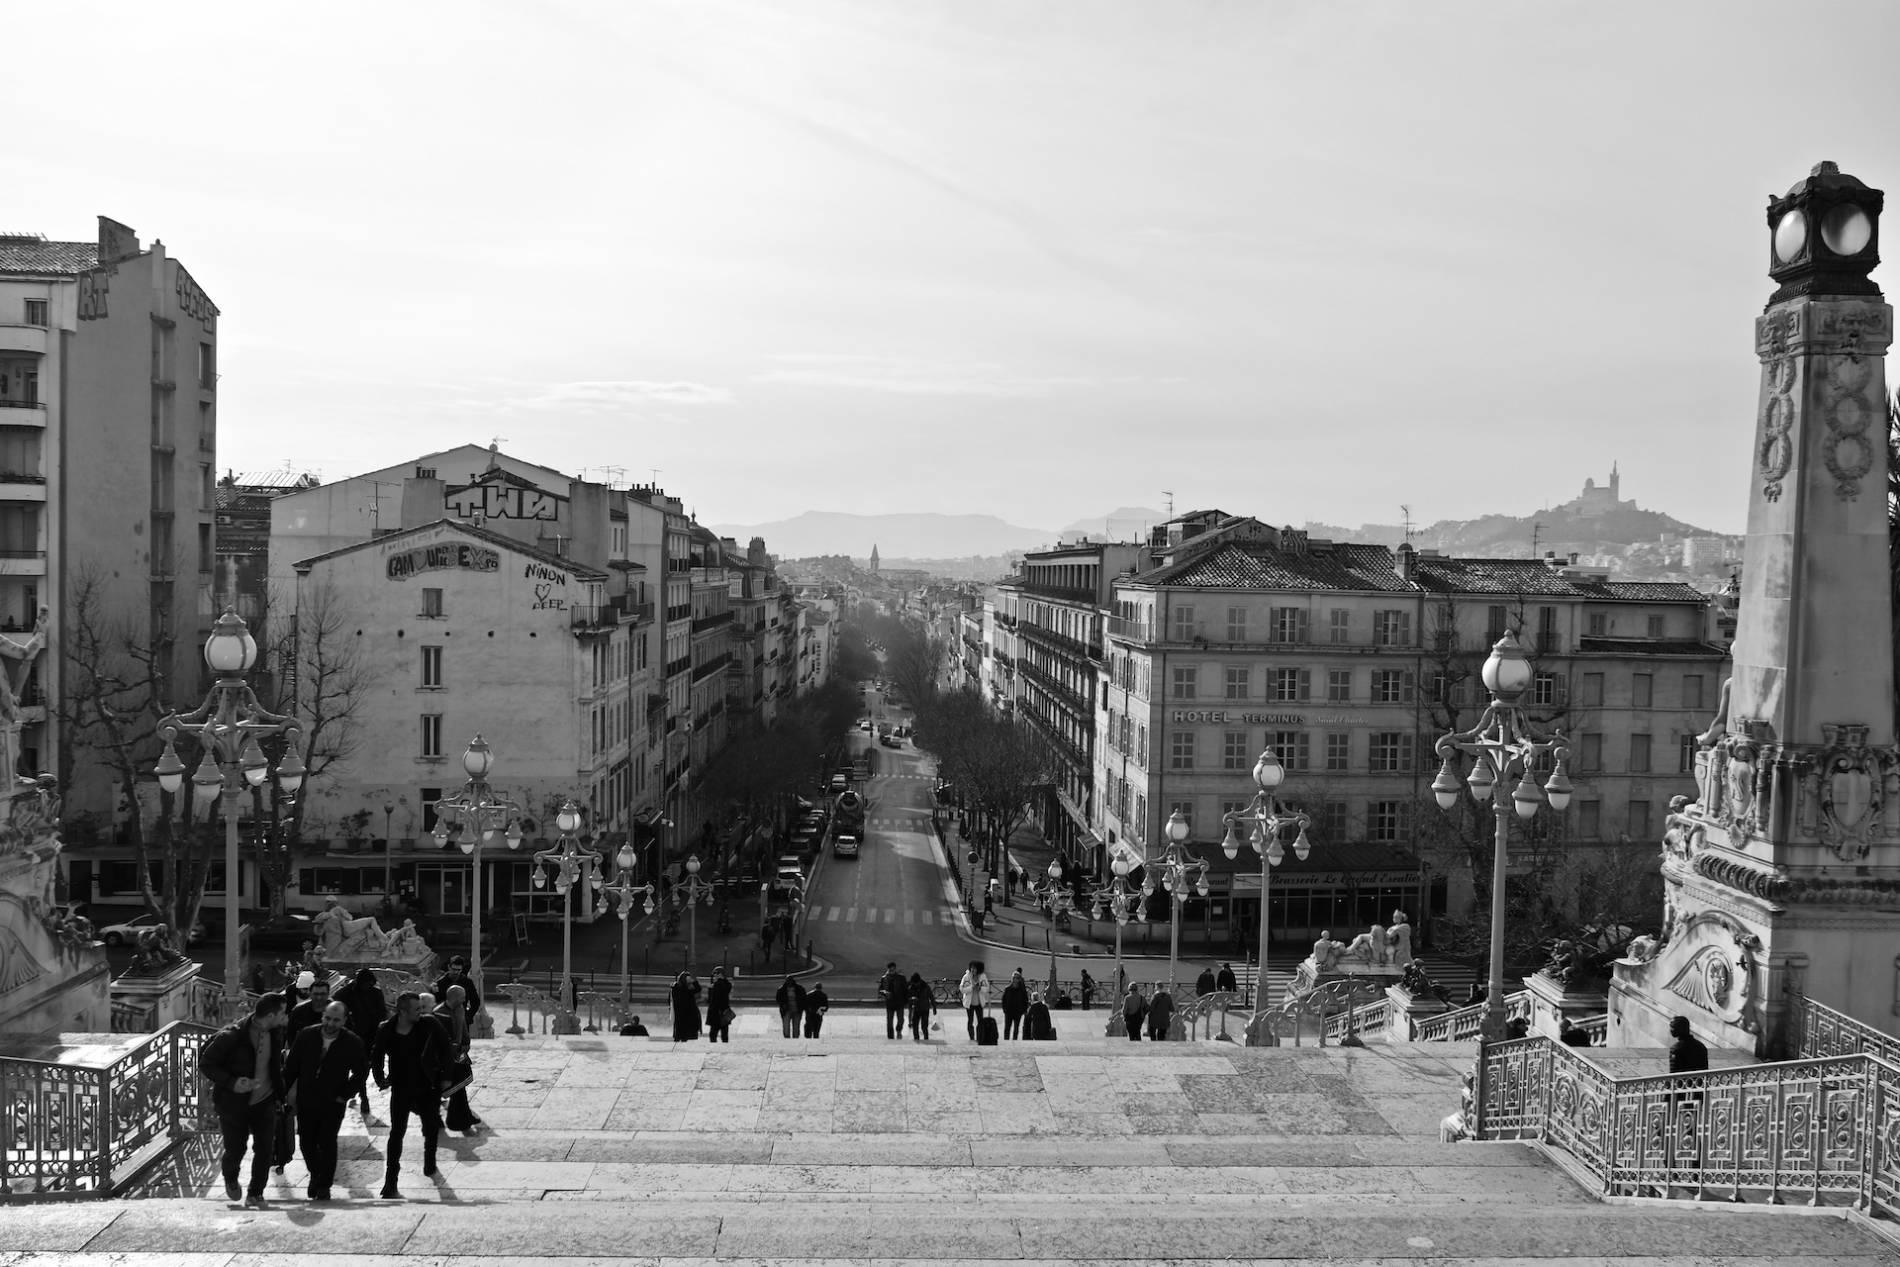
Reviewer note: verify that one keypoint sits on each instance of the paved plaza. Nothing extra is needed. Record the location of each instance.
(855, 1148)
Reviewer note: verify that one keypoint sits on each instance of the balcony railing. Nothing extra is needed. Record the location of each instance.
(1067, 695)
(704, 623)
(14, 402)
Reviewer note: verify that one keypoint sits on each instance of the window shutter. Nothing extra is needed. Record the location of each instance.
(1405, 630)
(1306, 684)
(1300, 621)
(1407, 688)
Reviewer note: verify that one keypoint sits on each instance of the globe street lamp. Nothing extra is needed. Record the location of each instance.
(1268, 819)
(1174, 864)
(623, 890)
(1503, 743)
(690, 892)
(227, 726)
(483, 816)
(1116, 898)
(566, 864)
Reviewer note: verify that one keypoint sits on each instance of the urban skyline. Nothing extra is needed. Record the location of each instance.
(1007, 255)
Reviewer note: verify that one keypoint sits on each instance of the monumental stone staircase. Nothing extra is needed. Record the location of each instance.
(854, 1147)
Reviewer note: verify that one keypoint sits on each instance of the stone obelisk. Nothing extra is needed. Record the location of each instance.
(1782, 877)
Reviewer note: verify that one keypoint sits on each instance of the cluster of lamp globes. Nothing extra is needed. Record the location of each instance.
(229, 652)
(477, 760)
(1506, 674)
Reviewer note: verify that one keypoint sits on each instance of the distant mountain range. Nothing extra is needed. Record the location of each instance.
(918, 536)
(1594, 524)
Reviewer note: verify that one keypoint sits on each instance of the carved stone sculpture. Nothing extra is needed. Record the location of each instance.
(1326, 951)
(1399, 940)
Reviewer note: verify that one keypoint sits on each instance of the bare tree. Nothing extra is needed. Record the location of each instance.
(116, 687)
(317, 674)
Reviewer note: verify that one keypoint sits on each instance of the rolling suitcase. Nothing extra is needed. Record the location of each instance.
(986, 1031)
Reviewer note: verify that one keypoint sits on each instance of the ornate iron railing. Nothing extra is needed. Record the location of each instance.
(1202, 1009)
(1467, 1023)
(70, 1130)
(1351, 1022)
(1822, 1131)
(539, 1007)
(1814, 1029)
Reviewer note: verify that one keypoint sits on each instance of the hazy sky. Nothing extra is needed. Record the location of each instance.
(1037, 260)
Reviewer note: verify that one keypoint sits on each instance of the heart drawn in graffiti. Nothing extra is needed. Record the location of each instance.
(541, 593)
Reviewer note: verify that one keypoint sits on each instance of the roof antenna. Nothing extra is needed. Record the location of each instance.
(1169, 494)
(1405, 519)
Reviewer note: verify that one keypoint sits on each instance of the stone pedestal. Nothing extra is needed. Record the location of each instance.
(165, 996)
(1553, 1003)
(1408, 1010)
(1310, 976)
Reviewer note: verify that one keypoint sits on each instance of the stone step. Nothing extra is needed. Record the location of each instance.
(1101, 1226)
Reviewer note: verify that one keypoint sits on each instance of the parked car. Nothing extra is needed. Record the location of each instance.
(839, 783)
(789, 881)
(844, 846)
(891, 741)
(129, 930)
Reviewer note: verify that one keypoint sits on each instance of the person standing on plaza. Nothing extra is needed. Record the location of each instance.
(974, 989)
(791, 1007)
(685, 995)
(1160, 1013)
(1088, 990)
(1134, 1007)
(452, 1015)
(719, 1008)
(922, 1004)
(364, 999)
(410, 1058)
(1038, 1025)
(1226, 980)
(1205, 983)
(244, 1063)
(1687, 1054)
(1015, 1005)
(816, 1005)
(895, 991)
(325, 1068)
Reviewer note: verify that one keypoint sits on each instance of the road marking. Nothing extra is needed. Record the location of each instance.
(909, 916)
(890, 916)
(927, 918)
(850, 914)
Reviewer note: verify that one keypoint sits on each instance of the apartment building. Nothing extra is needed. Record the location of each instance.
(108, 441)
(1350, 661)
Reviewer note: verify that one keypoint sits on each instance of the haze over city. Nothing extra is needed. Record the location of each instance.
(1032, 260)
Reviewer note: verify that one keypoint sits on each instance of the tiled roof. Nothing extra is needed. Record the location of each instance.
(18, 255)
(1652, 591)
(1257, 565)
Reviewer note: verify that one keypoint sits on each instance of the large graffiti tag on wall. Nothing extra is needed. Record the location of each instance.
(501, 501)
(469, 558)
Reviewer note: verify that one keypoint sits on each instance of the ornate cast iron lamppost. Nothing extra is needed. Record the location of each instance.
(690, 891)
(483, 816)
(227, 727)
(1269, 820)
(568, 863)
(1123, 903)
(623, 890)
(1174, 864)
(1502, 744)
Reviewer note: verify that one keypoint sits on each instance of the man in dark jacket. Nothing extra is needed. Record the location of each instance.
(1226, 980)
(244, 1063)
(1160, 1014)
(1205, 983)
(895, 991)
(458, 975)
(817, 1003)
(325, 1069)
(411, 1058)
(364, 998)
(791, 1007)
(1687, 1054)
(1015, 1005)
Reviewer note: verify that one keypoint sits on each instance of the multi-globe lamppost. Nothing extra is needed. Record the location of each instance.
(690, 891)
(227, 726)
(1503, 743)
(482, 816)
(623, 890)
(567, 864)
(1123, 903)
(1174, 864)
(1267, 820)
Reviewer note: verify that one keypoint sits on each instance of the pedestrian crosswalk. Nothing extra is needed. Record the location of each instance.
(947, 915)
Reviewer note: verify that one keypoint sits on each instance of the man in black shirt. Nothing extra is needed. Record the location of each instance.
(325, 1070)
(1686, 1054)
(245, 1064)
(895, 991)
(411, 1058)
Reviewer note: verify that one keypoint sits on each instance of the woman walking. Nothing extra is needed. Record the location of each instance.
(975, 992)
(685, 1008)
(922, 1004)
